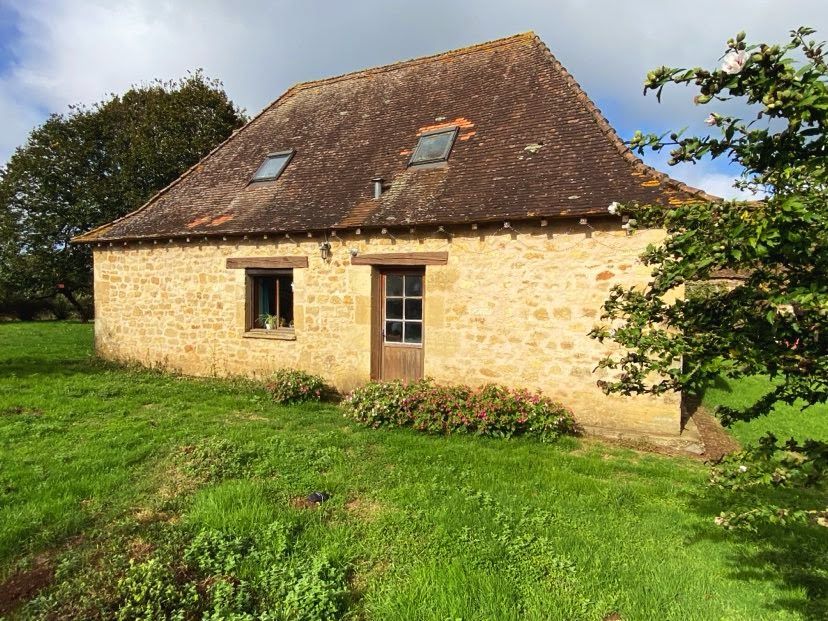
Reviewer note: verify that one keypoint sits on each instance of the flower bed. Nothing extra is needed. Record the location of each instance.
(492, 410)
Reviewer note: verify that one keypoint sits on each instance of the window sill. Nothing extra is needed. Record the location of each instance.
(276, 335)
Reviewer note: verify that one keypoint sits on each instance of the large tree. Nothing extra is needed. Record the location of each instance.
(92, 165)
(775, 322)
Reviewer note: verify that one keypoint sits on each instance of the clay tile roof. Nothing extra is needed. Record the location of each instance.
(531, 144)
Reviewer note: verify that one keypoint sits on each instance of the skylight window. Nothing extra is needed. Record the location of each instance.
(434, 147)
(273, 166)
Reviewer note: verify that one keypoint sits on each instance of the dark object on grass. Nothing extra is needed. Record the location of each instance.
(318, 498)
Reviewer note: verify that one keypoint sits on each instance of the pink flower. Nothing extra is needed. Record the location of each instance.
(734, 61)
(712, 120)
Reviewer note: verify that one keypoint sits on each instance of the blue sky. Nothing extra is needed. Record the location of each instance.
(9, 34)
(54, 53)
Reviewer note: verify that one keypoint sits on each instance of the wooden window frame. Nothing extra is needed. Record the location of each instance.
(251, 304)
(410, 271)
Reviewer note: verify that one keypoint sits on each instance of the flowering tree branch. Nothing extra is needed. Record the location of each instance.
(775, 321)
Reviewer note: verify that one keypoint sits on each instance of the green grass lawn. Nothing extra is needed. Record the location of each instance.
(784, 422)
(147, 494)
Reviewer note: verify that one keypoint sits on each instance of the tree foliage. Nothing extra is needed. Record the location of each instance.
(92, 165)
(775, 322)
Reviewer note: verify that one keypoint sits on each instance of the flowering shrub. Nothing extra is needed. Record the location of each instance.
(491, 410)
(293, 386)
(379, 403)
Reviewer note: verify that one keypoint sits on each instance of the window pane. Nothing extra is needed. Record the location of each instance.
(413, 332)
(266, 295)
(271, 295)
(285, 300)
(394, 308)
(393, 331)
(433, 147)
(414, 285)
(414, 308)
(272, 167)
(393, 285)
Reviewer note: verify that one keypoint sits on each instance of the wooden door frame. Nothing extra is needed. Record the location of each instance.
(377, 314)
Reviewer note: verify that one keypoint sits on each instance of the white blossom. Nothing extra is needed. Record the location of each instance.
(742, 468)
(734, 61)
(632, 222)
(711, 120)
(613, 208)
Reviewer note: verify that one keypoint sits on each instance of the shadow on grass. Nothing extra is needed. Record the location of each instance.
(793, 557)
(721, 384)
(28, 366)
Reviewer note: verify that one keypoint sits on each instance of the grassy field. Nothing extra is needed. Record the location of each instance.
(131, 494)
(785, 421)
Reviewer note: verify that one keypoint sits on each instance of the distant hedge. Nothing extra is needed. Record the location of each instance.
(57, 307)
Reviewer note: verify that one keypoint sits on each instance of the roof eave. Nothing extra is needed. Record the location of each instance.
(213, 235)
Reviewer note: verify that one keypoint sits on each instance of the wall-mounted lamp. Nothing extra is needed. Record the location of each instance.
(325, 250)
(353, 252)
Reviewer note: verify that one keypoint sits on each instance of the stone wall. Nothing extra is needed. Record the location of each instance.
(510, 306)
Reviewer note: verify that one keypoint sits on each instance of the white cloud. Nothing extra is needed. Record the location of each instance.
(712, 182)
(69, 52)
(715, 177)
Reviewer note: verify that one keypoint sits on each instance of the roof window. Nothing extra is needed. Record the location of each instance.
(434, 146)
(273, 166)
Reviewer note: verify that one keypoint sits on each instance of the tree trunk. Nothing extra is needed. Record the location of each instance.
(74, 302)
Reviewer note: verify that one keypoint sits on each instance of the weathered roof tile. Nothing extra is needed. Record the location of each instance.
(530, 144)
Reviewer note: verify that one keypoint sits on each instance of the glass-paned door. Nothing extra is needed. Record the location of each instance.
(401, 323)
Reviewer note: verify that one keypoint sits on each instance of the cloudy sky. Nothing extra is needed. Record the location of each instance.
(56, 52)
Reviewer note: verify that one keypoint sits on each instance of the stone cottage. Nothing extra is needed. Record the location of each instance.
(444, 217)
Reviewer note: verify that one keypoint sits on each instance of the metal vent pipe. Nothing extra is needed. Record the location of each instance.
(377, 181)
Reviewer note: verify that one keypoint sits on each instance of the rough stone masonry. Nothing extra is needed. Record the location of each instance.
(510, 306)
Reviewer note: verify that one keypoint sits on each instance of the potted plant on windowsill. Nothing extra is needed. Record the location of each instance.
(270, 322)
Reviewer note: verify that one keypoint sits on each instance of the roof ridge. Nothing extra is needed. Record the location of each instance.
(468, 49)
(609, 131)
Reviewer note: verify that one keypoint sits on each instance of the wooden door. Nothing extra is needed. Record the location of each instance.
(398, 324)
